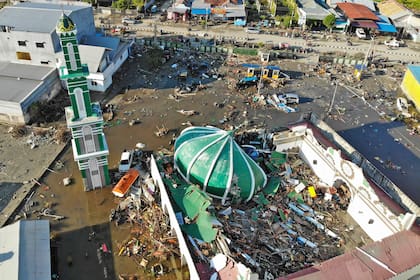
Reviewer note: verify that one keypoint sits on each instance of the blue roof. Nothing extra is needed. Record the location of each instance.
(386, 27)
(415, 69)
(199, 11)
(249, 65)
(272, 67)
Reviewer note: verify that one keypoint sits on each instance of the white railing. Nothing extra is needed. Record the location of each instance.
(168, 209)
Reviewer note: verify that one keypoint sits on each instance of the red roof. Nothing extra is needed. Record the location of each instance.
(394, 254)
(357, 11)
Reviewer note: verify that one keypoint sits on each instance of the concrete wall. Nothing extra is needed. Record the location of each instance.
(9, 46)
(374, 217)
(49, 88)
(104, 80)
(167, 208)
(11, 113)
(368, 168)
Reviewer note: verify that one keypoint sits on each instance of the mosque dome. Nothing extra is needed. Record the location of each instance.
(65, 24)
(211, 158)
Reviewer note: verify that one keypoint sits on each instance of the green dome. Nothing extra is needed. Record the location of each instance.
(65, 24)
(210, 157)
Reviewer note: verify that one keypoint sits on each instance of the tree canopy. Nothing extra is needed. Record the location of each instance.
(329, 21)
(122, 4)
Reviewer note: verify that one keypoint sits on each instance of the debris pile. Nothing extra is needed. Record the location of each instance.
(294, 222)
(37, 136)
(150, 244)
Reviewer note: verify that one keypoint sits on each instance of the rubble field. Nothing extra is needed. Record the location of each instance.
(154, 96)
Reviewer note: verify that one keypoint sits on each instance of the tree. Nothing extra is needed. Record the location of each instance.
(139, 4)
(122, 4)
(329, 21)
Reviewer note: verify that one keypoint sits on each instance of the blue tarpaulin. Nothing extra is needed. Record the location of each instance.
(386, 27)
(240, 22)
(198, 12)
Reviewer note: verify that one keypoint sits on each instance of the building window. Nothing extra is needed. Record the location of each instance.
(40, 45)
(45, 62)
(22, 43)
(23, 55)
(94, 83)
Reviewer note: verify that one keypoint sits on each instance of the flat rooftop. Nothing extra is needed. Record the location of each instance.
(19, 80)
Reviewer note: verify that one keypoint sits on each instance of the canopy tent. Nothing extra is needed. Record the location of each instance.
(210, 157)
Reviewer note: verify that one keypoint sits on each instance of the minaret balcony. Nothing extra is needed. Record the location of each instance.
(96, 116)
(65, 75)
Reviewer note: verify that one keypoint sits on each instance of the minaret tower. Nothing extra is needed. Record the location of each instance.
(84, 118)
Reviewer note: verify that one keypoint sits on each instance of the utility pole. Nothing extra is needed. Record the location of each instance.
(333, 98)
(207, 11)
(365, 61)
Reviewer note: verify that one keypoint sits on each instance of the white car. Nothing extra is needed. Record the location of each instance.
(394, 43)
(289, 98)
(360, 33)
(125, 161)
(129, 20)
(254, 30)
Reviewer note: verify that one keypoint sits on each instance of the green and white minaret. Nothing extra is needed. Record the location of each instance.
(84, 118)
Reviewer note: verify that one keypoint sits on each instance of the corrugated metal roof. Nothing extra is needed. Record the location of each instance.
(25, 250)
(18, 80)
(397, 254)
(35, 17)
(313, 9)
(393, 9)
(368, 3)
(357, 11)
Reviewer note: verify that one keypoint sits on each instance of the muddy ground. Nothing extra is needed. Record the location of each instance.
(143, 91)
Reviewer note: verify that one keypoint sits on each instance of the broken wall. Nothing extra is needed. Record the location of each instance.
(374, 217)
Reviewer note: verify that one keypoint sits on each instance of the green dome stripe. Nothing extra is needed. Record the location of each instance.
(201, 167)
(243, 175)
(189, 152)
(220, 174)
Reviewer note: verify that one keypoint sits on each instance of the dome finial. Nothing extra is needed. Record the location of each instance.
(65, 24)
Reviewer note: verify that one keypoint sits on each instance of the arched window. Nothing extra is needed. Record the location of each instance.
(72, 57)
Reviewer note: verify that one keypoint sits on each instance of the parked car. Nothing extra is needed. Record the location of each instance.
(129, 20)
(255, 30)
(289, 98)
(394, 43)
(360, 33)
(247, 82)
(125, 161)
